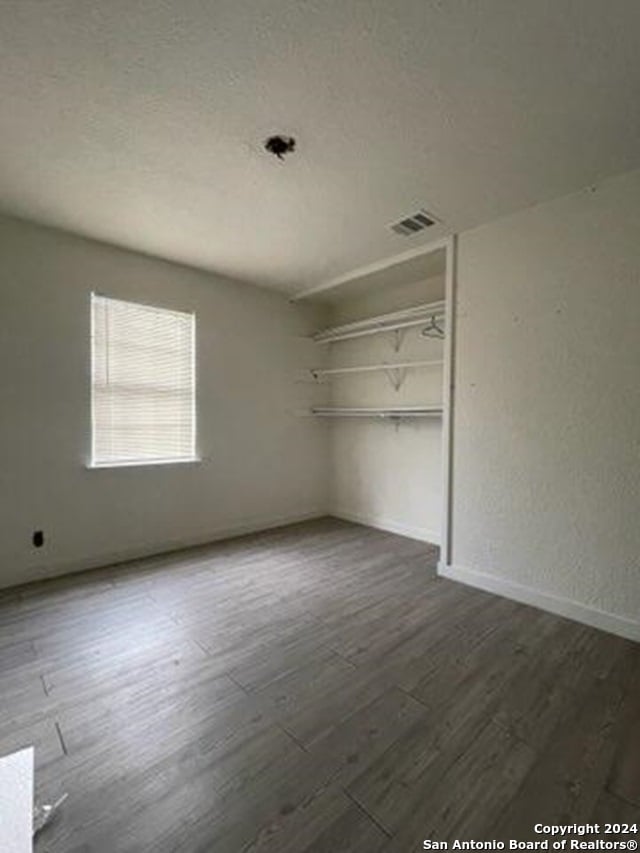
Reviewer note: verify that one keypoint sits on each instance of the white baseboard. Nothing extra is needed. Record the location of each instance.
(57, 568)
(592, 616)
(381, 523)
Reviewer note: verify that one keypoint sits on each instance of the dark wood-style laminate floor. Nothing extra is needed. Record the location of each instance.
(314, 688)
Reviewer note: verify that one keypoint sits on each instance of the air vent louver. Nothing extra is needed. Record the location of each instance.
(410, 225)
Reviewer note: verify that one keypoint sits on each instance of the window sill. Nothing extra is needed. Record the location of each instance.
(143, 463)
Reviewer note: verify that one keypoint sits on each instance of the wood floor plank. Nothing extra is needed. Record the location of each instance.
(344, 751)
(611, 809)
(624, 778)
(465, 794)
(565, 666)
(570, 775)
(326, 822)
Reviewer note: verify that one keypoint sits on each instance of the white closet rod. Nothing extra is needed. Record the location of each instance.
(384, 323)
(365, 368)
(388, 412)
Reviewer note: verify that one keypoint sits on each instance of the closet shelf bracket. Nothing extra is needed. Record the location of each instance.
(396, 376)
(398, 338)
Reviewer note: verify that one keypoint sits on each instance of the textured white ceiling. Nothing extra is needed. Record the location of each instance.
(140, 122)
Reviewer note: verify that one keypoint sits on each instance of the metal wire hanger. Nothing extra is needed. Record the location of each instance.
(433, 329)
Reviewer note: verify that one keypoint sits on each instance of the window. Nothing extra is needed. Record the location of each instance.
(142, 384)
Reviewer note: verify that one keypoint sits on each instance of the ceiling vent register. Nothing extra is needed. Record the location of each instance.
(411, 225)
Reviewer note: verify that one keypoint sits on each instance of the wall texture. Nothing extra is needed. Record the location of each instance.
(546, 477)
(261, 464)
(382, 475)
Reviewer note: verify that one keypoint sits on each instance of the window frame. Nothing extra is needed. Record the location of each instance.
(194, 459)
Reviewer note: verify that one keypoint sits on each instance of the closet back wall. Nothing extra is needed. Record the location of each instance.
(385, 475)
(250, 343)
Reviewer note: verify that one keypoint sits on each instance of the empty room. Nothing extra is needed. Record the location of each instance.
(320, 426)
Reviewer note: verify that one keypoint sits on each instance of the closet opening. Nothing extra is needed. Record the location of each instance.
(383, 370)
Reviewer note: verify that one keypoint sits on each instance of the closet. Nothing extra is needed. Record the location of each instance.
(381, 367)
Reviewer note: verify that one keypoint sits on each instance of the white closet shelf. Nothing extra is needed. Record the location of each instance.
(395, 321)
(366, 368)
(385, 412)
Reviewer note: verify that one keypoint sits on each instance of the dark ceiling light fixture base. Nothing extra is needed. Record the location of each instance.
(280, 145)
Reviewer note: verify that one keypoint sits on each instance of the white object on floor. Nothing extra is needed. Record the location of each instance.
(16, 802)
(42, 815)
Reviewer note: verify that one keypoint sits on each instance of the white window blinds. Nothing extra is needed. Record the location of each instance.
(143, 383)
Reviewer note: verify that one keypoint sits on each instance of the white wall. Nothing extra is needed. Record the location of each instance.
(383, 475)
(546, 476)
(261, 464)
